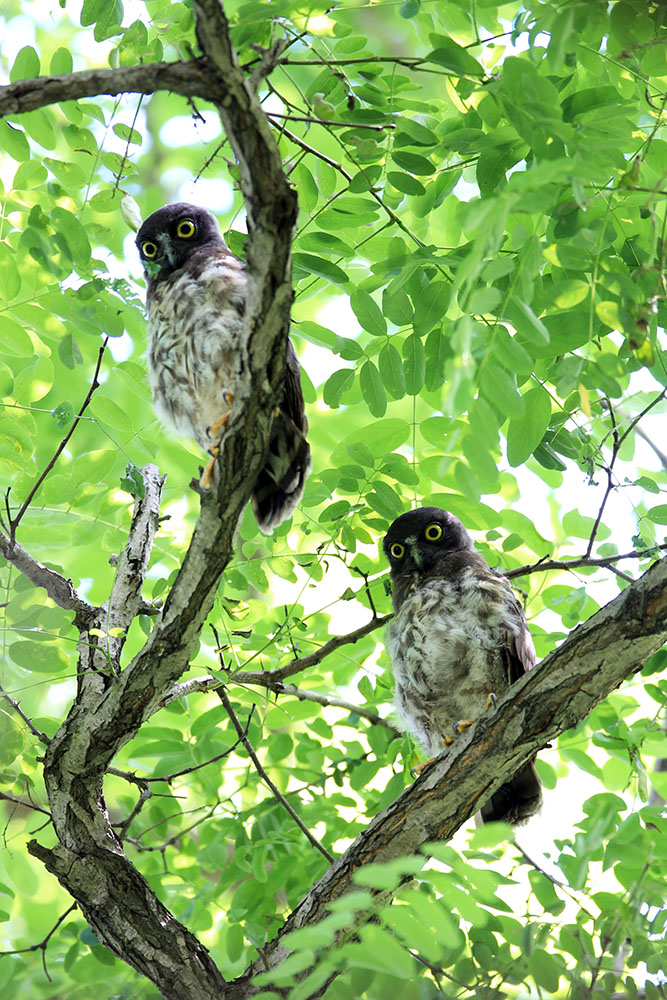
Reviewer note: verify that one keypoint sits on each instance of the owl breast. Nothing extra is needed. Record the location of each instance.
(194, 322)
(446, 644)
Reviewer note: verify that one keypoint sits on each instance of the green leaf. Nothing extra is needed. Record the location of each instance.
(128, 134)
(405, 182)
(527, 322)
(106, 15)
(658, 514)
(10, 280)
(414, 363)
(431, 307)
(133, 481)
(409, 8)
(337, 383)
(525, 432)
(63, 414)
(308, 264)
(16, 444)
(26, 65)
(392, 371)
(34, 381)
(368, 313)
(413, 163)
(13, 141)
(453, 57)
(40, 657)
(499, 387)
(372, 389)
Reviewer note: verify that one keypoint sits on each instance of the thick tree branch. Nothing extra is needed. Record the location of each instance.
(57, 587)
(186, 78)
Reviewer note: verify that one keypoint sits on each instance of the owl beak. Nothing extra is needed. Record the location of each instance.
(413, 549)
(167, 250)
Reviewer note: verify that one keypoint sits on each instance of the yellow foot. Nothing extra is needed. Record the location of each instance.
(418, 768)
(207, 474)
(213, 430)
(461, 725)
(446, 739)
(491, 701)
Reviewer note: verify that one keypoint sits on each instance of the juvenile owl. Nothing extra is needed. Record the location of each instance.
(459, 638)
(195, 300)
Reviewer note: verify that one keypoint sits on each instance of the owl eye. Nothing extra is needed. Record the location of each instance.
(397, 550)
(433, 533)
(148, 249)
(185, 229)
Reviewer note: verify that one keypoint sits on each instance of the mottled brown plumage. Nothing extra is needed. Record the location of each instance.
(458, 640)
(196, 300)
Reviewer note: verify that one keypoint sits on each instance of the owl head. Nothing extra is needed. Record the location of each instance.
(417, 540)
(168, 237)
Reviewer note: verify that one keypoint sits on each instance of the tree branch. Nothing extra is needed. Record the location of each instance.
(57, 587)
(189, 79)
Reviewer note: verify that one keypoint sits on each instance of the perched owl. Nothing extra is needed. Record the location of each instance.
(458, 640)
(195, 301)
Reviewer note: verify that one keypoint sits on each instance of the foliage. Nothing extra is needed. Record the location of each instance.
(479, 303)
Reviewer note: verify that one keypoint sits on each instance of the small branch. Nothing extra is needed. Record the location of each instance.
(25, 803)
(44, 942)
(125, 602)
(543, 565)
(323, 121)
(42, 737)
(209, 683)
(14, 521)
(609, 471)
(57, 587)
(303, 662)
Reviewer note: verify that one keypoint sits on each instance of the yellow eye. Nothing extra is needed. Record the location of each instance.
(185, 229)
(433, 533)
(148, 249)
(397, 550)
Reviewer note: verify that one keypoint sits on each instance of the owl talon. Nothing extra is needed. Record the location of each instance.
(462, 725)
(207, 475)
(491, 700)
(213, 430)
(419, 768)
(446, 739)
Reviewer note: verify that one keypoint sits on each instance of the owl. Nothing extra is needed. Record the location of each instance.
(195, 301)
(458, 640)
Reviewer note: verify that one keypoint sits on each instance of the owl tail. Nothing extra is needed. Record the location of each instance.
(517, 800)
(280, 484)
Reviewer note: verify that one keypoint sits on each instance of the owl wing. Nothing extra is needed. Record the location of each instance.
(519, 650)
(280, 484)
(520, 797)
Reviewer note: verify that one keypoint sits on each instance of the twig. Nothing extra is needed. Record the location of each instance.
(14, 521)
(43, 943)
(42, 737)
(266, 779)
(323, 121)
(542, 565)
(311, 659)
(18, 801)
(229, 708)
(609, 471)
